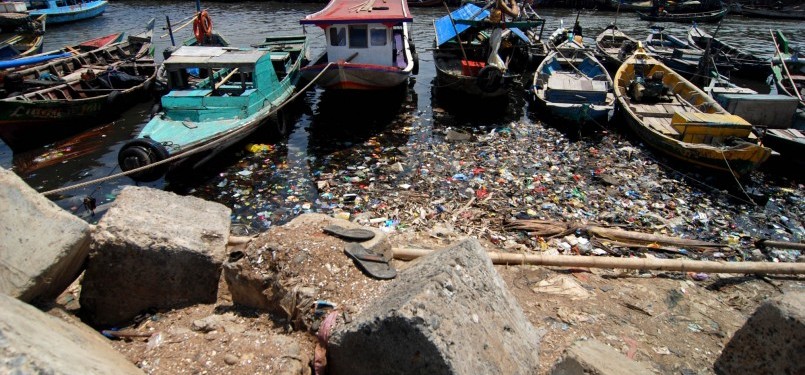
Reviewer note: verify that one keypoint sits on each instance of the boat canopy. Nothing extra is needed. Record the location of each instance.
(214, 57)
(390, 13)
(446, 28)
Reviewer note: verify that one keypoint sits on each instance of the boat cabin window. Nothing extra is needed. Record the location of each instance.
(338, 36)
(358, 37)
(378, 37)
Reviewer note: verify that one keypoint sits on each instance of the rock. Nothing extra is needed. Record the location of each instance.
(32, 342)
(293, 361)
(255, 281)
(593, 357)
(770, 342)
(457, 136)
(447, 313)
(153, 249)
(44, 247)
(231, 359)
(208, 324)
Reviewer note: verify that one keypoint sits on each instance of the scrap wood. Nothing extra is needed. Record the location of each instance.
(550, 228)
(681, 265)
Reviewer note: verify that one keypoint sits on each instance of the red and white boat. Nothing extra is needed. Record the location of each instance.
(367, 43)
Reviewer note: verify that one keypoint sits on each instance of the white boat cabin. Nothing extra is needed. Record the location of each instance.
(371, 43)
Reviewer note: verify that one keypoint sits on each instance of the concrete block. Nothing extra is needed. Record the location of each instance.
(447, 313)
(153, 249)
(592, 357)
(771, 341)
(32, 342)
(42, 247)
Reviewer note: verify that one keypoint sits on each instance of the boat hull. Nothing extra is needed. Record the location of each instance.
(738, 157)
(28, 124)
(67, 14)
(685, 17)
(344, 75)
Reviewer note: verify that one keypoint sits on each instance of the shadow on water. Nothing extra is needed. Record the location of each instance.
(453, 109)
(344, 118)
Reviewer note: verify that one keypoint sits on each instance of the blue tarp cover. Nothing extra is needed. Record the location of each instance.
(31, 60)
(445, 30)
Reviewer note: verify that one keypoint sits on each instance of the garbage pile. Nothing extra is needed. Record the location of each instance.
(467, 181)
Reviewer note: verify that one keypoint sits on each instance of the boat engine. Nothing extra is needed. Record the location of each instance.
(649, 89)
(139, 153)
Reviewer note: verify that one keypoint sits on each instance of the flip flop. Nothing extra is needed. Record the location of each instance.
(372, 264)
(349, 234)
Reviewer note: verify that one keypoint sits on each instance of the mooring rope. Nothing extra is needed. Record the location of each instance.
(188, 152)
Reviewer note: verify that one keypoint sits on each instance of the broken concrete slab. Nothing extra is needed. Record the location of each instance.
(593, 357)
(255, 278)
(447, 313)
(32, 342)
(44, 247)
(153, 249)
(771, 342)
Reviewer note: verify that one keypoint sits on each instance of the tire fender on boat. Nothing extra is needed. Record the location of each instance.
(141, 152)
(489, 79)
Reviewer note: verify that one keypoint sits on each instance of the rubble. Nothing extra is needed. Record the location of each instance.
(771, 341)
(43, 247)
(153, 250)
(447, 313)
(34, 342)
(593, 357)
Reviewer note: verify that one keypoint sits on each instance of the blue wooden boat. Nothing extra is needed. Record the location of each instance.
(26, 42)
(63, 11)
(571, 84)
(243, 88)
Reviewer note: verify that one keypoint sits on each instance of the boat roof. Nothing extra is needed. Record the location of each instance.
(390, 12)
(446, 28)
(219, 57)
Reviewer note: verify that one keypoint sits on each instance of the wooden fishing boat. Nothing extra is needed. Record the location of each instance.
(675, 117)
(631, 6)
(25, 42)
(199, 118)
(613, 46)
(680, 56)
(773, 116)
(745, 63)
(368, 46)
(48, 101)
(789, 13)
(63, 11)
(572, 85)
(467, 60)
(703, 17)
(20, 63)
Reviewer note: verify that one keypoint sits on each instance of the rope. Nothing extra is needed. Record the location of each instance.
(188, 152)
(736, 178)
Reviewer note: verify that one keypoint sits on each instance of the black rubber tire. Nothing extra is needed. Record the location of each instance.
(415, 70)
(490, 79)
(141, 152)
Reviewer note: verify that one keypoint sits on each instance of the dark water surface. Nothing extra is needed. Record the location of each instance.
(329, 127)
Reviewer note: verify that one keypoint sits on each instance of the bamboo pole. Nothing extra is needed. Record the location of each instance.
(680, 265)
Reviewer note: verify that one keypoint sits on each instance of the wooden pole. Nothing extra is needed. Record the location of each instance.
(680, 265)
(782, 61)
(170, 30)
(458, 37)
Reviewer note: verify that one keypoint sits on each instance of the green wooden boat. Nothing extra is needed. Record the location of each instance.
(234, 92)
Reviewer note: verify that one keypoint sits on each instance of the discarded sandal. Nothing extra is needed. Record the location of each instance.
(372, 264)
(349, 234)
